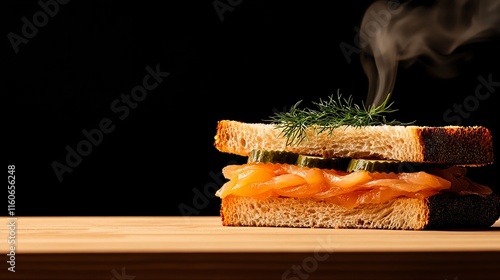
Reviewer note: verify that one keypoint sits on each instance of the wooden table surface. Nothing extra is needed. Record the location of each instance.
(201, 248)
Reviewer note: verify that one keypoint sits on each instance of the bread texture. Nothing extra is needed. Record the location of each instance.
(454, 145)
(441, 211)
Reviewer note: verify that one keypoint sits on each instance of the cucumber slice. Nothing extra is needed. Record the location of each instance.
(370, 165)
(321, 162)
(272, 156)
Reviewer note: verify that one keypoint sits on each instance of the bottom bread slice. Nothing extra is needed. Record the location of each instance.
(440, 211)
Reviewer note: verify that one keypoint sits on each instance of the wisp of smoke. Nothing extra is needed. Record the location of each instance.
(394, 33)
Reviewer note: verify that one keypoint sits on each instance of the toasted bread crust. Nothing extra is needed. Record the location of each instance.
(437, 212)
(457, 145)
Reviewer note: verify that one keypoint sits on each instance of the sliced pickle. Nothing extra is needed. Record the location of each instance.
(272, 156)
(321, 162)
(370, 165)
(346, 164)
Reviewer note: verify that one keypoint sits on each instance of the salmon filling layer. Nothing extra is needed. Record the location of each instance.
(349, 189)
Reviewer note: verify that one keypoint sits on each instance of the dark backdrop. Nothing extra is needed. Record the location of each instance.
(156, 156)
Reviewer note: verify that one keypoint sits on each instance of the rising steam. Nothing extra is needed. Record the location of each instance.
(392, 34)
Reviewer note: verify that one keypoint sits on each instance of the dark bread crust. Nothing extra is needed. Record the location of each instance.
(448, 210)
(440, 145)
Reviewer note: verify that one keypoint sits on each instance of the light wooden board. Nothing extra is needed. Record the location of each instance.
(201, 248)
(206, 234)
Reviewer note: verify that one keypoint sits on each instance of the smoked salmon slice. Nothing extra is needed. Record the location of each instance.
(262, 180)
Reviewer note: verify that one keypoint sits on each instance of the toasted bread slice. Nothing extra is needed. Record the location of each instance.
(441, 211)
(454, 145)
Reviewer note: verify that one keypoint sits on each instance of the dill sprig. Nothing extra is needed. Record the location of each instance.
(329, 115)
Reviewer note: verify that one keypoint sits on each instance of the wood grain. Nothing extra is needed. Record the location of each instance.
(200, 248)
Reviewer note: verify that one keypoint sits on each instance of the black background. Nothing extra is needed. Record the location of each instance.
(262, 57)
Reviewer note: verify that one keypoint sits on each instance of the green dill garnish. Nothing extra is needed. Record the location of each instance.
(329, 115)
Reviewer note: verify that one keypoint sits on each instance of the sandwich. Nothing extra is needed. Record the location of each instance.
(346, 166)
